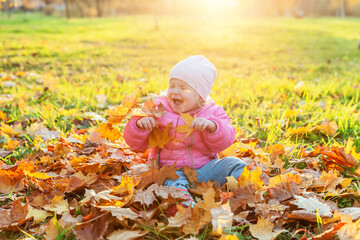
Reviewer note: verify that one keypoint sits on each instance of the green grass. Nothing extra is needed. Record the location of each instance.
(259, 61)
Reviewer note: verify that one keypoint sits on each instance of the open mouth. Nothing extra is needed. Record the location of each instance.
(177, 101)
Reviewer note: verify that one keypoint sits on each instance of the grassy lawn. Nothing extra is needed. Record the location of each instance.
(259, 63)
(275, 75)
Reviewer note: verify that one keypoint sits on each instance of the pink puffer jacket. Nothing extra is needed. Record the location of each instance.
(197, 149)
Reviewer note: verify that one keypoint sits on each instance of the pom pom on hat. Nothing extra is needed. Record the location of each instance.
(196, 71)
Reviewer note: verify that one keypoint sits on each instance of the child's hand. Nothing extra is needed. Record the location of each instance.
(201, 124)
(146, 123)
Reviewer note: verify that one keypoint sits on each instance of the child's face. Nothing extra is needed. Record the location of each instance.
(181, 96)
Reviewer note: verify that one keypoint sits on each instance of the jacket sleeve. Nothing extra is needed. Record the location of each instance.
(136, 138)
(224, 134)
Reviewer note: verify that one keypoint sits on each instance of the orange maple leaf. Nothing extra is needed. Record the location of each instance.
(118, 113)
(107, 131)
(158, 138)
(328, 128)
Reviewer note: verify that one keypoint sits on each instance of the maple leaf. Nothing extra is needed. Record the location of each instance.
(93, 226)
(159, 138)
(16, 130)
(107, 131)
(37, 175)
(149, 108)
(126, 235)
(12, 144)
(328, 181)
(312, 205)
(155, 175)
(146, 197)
(58, 205)
(283, 179)
(350, 231)
(231, 183)
(209, 200)
(328, 128)
(120, 213)
(330, 233)
(263, 230)
(186, 127)
(37, 214)
(190, 174)
(253, 177)
(276, 150)
(299, 131)
(118, 113)
(3, 116)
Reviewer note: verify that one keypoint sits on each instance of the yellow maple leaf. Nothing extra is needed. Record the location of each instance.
(37, 175)
(158, 138)
(253, 177)
(107, 131)
(186, 127)
(77, 161)
(126, 189)
(298, 131)
(9, 130)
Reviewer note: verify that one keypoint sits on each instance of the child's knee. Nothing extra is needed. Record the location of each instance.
(236, 161)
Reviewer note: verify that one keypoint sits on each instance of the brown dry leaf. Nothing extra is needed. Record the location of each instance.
(201, 188)
(190, 219)
(120, 213)
(328, 181)
(159, 138)
(155, 175)
(126, 235)
(263, 230)
(328, 128)
(58, 205)
(146, 197)
(93, 226)
(330, 233)
(186, 127)
(283, 179)
(190, 174)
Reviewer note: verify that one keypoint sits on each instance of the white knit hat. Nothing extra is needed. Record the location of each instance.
(196, 71)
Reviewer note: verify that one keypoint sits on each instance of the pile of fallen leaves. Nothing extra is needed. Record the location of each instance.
(89, 185)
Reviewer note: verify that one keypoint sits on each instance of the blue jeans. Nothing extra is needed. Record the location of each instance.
(215, 170)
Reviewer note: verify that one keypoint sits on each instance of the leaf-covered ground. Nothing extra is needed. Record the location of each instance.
(68, 87)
